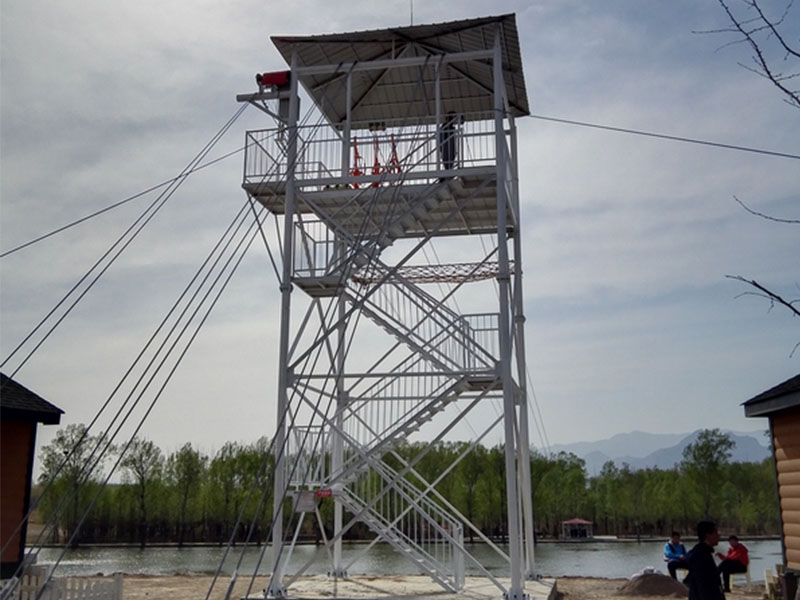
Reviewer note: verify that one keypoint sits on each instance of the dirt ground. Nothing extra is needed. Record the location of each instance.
(582, 588)
(311, 587)
(399, 587)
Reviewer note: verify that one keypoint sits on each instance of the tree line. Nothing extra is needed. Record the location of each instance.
(189, 497)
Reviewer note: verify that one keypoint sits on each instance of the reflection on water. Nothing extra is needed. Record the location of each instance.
(589, 559)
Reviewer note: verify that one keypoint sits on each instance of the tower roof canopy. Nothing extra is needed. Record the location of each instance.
(397, 89)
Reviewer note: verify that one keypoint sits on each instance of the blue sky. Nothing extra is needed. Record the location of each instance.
(632, 323)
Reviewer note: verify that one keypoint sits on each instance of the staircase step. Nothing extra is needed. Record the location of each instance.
(407, 221)
(420, 211)
(384, 240)
(395, 230)
(432, 202)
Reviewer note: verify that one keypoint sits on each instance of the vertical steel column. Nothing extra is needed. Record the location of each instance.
(438, 109)
(516, 591)
(338, 443)
(346, 131)
(275, 589)
(526, 494)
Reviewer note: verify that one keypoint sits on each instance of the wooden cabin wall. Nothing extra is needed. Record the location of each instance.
(786, 441)
(16, 441)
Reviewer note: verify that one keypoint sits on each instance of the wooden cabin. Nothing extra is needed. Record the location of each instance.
(781, 405)
(21, 411)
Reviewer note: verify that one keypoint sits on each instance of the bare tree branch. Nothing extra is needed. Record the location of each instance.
(763, 216)
(768, 294)
(773, 27)
(758, 32)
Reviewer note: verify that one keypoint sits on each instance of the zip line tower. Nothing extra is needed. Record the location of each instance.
(413, 155)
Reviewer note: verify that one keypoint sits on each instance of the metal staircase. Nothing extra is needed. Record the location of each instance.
(414, 526)
(417, 144)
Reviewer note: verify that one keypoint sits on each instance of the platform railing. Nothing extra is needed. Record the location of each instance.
(409, 152)
(314, 251)
(307, 451)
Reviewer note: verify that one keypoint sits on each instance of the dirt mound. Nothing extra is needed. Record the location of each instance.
(654, 584)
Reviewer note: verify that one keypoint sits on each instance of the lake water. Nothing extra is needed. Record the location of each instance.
(590, 559)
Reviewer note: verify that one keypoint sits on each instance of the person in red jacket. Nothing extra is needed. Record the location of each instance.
(734, 562)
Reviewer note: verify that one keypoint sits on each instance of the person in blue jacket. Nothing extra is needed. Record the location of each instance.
(675, 554)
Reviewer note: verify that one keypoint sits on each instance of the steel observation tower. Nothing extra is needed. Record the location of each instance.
(402, 310)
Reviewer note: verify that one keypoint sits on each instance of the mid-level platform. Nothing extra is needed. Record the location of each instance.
(462, 205)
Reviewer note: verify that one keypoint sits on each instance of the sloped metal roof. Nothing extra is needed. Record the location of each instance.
(19, 403)
(406, 92)
(781, 397)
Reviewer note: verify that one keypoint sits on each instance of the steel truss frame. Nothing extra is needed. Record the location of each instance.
(355, 250)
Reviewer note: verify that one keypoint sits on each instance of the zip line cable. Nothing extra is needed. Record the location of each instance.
(141, 422)
(102, 409)
(105, 405)
(88, 429)
(118, 204)
(673, 138)
(131, 233)
(172, 371)
(217, 297)
(540, 117)
(241, 213)
(87, 469)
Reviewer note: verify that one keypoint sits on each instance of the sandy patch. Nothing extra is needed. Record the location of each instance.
(401, 587)
(311, 587)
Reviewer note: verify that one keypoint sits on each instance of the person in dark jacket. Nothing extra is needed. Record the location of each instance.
(704, 582)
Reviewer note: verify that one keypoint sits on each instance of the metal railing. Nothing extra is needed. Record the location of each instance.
(308, 458)
(411, 152)
(314, 250)
(429, 327)
(388, 415)
(406, 518)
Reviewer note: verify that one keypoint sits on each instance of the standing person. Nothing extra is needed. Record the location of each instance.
(703, 577)
(734, 562)
(675, 554)
(448, 141)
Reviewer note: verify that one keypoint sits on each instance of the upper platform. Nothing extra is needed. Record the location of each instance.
(411, 133)
(390, 68)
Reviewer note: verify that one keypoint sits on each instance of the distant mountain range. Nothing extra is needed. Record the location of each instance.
(642, 450)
